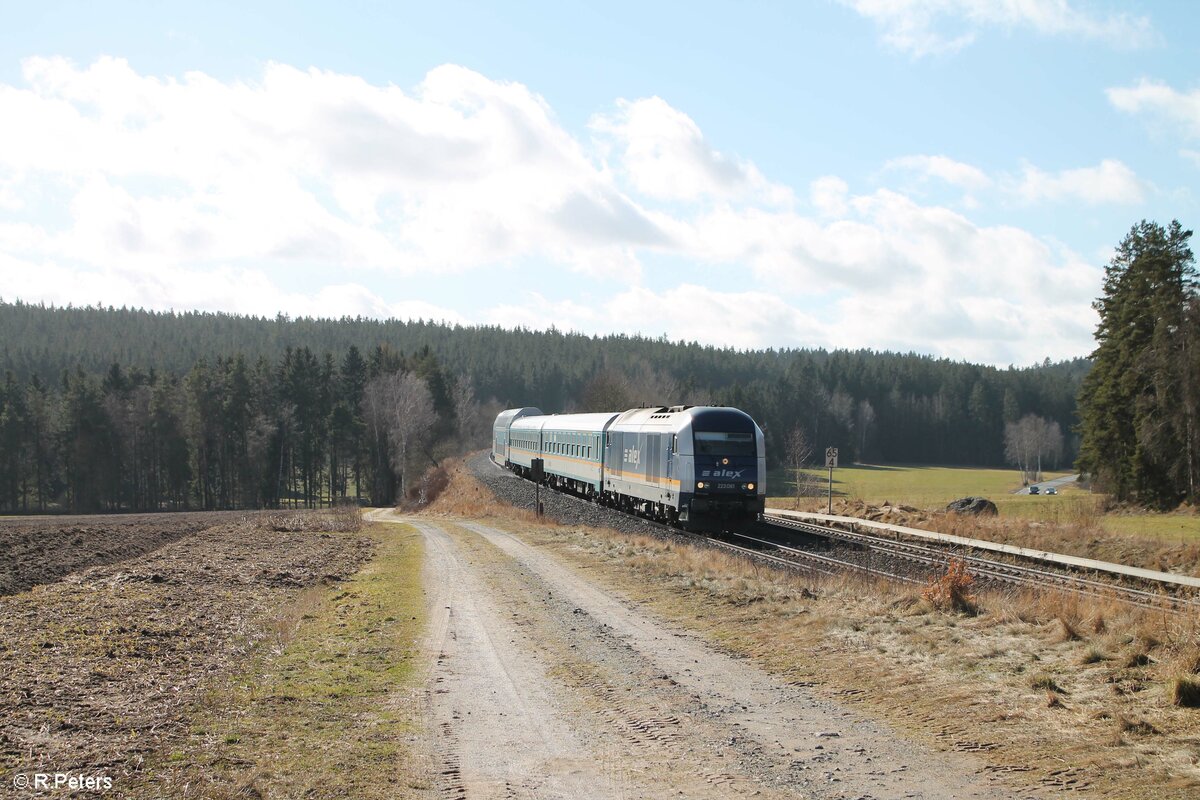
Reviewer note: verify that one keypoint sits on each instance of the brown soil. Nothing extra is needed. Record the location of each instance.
(37, 550)
(98, 671)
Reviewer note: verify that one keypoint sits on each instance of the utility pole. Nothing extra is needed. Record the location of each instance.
(831, 455)
(537, 468)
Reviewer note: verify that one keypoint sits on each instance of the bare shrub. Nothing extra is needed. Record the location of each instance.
(1137, 727)
(1185, 691)
(951, 592)
(288, 521)
(1046, 683)
(1137, 659)
(1066, 630)
(1188, 661)
(429, 488)
(343, 518)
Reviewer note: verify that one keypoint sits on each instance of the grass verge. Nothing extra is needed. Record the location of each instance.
(1051, 691)
(329, 705)
(919, 485)
(1016, 681)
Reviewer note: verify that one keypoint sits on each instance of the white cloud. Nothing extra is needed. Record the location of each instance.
(463, 171)
(828, 195)
(1160, 100)
(942, 168)
(1108, 182)
(232, 290)
(664, 155)
(197, 193)
(927, 27)
(688, 312)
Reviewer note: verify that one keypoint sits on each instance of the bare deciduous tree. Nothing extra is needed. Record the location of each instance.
(799, 454)
(473, 418)
(866, 418)
(400, 407)
(613, 390)
(1030, 441)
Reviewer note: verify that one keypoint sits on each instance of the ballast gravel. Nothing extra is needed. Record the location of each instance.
(562, 508)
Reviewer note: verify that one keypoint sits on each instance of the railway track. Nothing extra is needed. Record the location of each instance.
(799, 558)
(878, 556)
(931, 559)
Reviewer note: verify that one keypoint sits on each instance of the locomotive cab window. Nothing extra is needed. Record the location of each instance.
(724, 444)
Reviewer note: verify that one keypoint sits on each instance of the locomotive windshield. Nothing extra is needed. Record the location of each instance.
(724, 444)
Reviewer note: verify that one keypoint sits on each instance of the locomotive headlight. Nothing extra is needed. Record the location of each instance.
(750, 487)
(725, 461)
(699, 484)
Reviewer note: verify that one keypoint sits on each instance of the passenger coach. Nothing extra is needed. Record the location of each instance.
(697, 467)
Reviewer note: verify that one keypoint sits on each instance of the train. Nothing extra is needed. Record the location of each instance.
(694, 467)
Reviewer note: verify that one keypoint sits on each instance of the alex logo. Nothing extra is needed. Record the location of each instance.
(722, 473)
(633, 455)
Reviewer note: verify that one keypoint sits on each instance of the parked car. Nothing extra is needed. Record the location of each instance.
(1033, 490)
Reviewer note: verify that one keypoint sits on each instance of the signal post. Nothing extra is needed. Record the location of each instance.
(831, 454)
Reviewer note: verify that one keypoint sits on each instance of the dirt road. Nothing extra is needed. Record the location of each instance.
(543, 684)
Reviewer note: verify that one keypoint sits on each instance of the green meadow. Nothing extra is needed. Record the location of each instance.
(932, 487)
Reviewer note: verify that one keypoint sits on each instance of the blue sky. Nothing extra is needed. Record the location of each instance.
(943, 176)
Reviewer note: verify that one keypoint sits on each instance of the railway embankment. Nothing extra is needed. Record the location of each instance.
(558, 507)
(1051, 691)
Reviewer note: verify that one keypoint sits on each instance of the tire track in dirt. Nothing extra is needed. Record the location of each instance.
(636, 729)
(498, 731)
(831, 751)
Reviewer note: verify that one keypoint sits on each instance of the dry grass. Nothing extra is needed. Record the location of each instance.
(1076, 524)
(1080, 535)
(343, 518)
(428, 489)
(1045, 682)
(1007, 675)
(884, 647)
(327, 709)
(467, 497)
(1185, 691)
(951, 591)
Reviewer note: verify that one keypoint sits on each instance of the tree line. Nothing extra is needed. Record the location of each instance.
(873, 406)
(306, 430)
(1140, 405)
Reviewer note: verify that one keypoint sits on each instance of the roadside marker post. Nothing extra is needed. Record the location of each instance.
(831, 454)
(537, 467)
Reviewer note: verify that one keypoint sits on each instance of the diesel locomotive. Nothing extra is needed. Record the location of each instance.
(696, 467)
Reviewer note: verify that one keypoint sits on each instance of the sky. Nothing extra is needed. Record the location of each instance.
(947, 177)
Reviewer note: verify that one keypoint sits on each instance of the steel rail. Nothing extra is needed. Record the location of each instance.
(942, 539)
(1000, 571)
(924, 554)
(797, 553)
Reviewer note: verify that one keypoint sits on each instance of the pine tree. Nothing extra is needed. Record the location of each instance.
(1137, 406)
